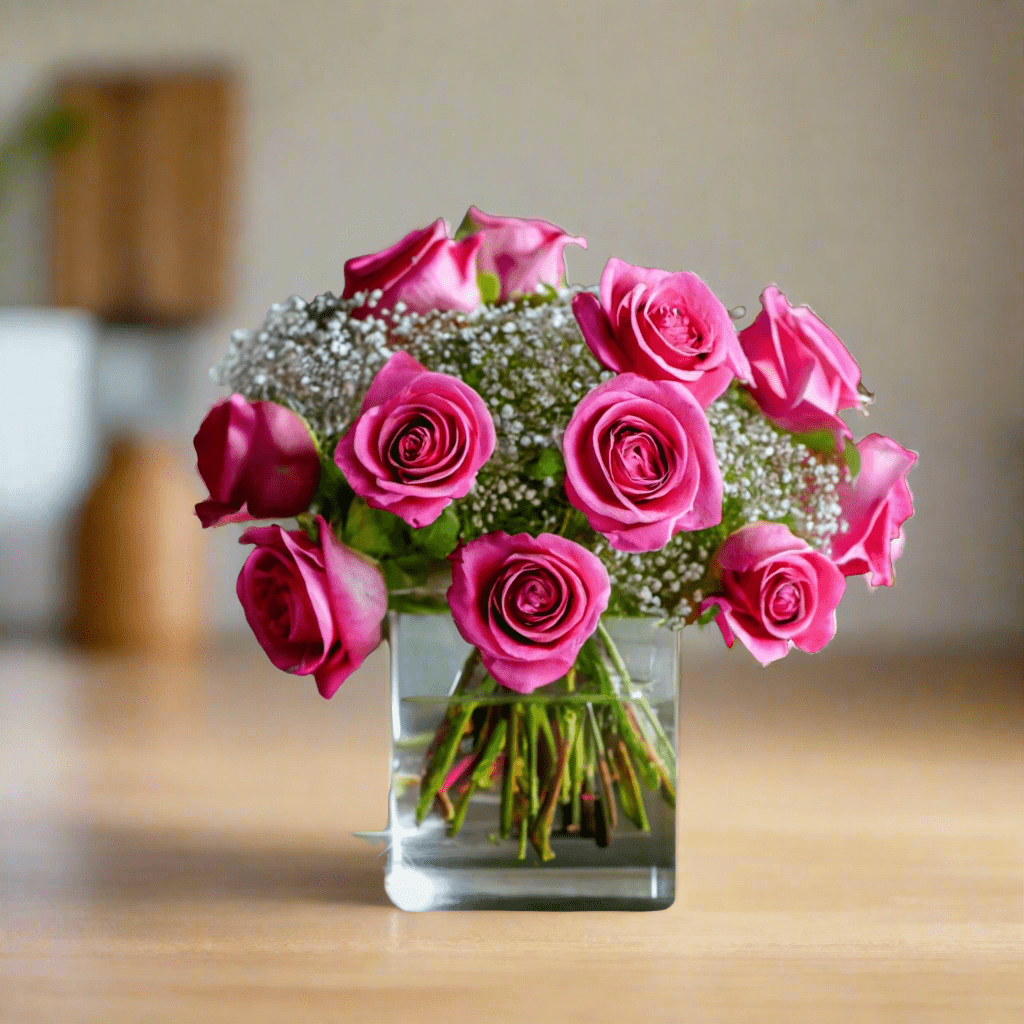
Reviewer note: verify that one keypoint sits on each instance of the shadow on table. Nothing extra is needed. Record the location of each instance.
(136, 864)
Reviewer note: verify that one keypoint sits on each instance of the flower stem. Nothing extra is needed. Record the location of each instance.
(513, 765)
(443, 761)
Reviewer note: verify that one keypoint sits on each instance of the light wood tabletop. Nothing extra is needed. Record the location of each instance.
(175, 845)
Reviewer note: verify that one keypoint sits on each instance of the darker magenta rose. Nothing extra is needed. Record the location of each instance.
(315, 608)
(426, 270)
(258, 461)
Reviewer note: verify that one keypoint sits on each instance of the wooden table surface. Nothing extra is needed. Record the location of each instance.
(175, 846)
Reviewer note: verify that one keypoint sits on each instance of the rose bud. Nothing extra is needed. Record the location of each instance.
(875, 505)
(426, 270)
(257, 460)
(801, 373)
(522, 254)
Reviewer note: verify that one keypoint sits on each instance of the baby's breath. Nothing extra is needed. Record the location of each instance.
(528, 362)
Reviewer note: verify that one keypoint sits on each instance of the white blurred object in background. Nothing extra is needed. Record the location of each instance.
(47, 451)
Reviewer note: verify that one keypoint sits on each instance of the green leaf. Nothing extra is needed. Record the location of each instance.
(548, 463)
(440, 537)
(852, 456)
(823, 440)
(466, 228)
(416, 604)
(709, 615)
(406, 571)
(373, 531)
(490, 287)
(473, 376)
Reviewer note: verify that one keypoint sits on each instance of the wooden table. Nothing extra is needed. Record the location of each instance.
(175, 846)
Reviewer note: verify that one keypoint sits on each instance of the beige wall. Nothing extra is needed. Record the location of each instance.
(867, 156)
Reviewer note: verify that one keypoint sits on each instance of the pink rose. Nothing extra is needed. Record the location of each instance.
(257, 460)
(418, 442)
(316, 609)
(663, 326)
(426, 270)
(640, 462)
(528, 603)
(801, 373)
(777, 591)
(876, 506)
(522, 253)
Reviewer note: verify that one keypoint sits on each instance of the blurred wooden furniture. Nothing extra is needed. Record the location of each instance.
(850, 852)
(141, 216)
(139, 580)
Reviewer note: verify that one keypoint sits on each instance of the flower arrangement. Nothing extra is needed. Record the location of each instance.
(461, 431)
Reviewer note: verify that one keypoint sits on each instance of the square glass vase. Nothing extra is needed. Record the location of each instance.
(584, 861)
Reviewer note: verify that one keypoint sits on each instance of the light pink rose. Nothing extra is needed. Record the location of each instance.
(418, 442)
(802, 374)
(316, 609)
(528, 603)
(640, 462)
(663, 326)
(522, 253)
(876, 506)
(257, 460)
(426, 270)
(776, 592)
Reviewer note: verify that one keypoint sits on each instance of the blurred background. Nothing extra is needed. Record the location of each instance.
(170, 170)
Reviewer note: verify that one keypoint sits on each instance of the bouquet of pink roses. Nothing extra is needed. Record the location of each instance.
(461, 431)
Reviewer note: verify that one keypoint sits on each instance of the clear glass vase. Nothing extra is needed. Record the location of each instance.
(578, 865)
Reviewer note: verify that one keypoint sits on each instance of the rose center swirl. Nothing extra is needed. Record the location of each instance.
(679, 330)
(528, 601)
(639, 463)
(786, 604)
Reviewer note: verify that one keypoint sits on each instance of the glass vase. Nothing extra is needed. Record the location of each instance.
(467, 846)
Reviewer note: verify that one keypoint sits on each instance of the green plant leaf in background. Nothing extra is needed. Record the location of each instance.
(490, 287)
(439, 538)
(43, 133)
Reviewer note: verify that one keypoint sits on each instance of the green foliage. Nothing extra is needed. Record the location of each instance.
(466, 228)
(439, 538)
(417, 604)
(44, 133)
(822, 441)
(709, 615)
(852, 457)
(374, 532)
(490, 287)
(548, 463)
(406, 571)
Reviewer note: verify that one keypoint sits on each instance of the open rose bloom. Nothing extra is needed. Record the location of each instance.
(466, 435)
